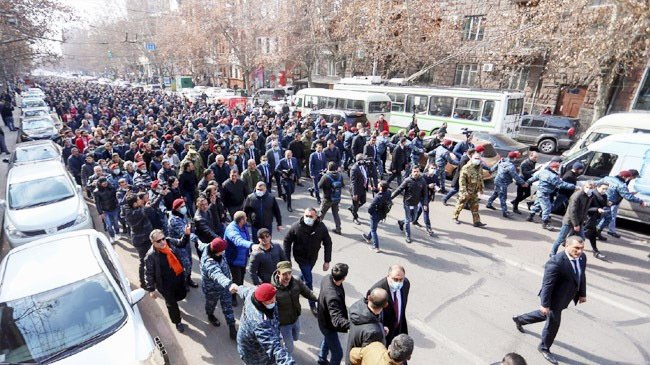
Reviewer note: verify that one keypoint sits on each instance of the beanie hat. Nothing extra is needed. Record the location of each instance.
(177, 203)
(264, 292)
(513, 154)
(114, 166)
(218, 245)
(446, 142)
(480, 149)
(578, 166)
(168, 136)
(141, 164)
(154, 184)
(625, 174)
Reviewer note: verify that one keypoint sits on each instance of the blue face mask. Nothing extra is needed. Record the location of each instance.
(259, 193)
(183, 210)
(308, 221)
(270, 306)
(396, 285)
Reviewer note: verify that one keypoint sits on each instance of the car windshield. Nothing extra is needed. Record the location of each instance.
(35, 112)
(37, 123)
(46, 326)
(39, 192)
(33, 103)
(34, 154)
(354, 119)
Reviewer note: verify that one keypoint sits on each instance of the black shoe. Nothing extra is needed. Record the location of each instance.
(600, 236)
(507, 215)
(213, 320)
(311, 192)
(289, 209)
(456, 220)
(417, 224)
(314, 311)
(614, 234)
(489, 206)
(366, 237)
(408, 239)
(233, 331)
(548, 356)
(318, 201)
(234, 300)
(516, 210)
(444, 202)
(430, 232)
(530, 217)
(547, 226)
(401, 225)
(356, 221)
(520, 328)
(180, 327)
(337, 231)
(479, 224)
(284, 197)
(323, 362)
(529, 204)
(192, 283)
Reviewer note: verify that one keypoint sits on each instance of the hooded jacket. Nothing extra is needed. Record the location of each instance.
(365, 327)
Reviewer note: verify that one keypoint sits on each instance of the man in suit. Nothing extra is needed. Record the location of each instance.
(252, 153)
(564, 281)
(317, 163)
(359, 178)
(398, 162)
(287, 169)
(266, 171)
(373, 157)
(394, 315)
(273, 156)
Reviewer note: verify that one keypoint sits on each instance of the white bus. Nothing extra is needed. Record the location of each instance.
(475, 109)
(372, 104)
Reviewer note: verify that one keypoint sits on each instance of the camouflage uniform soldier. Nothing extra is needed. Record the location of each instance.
(507, 172)
(217, 283)
(471, 185)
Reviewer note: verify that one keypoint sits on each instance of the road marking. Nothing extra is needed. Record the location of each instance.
(445, 341)
(592, 293)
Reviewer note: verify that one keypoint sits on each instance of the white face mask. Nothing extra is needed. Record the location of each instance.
(308, 221)
(589, 192)
(259, 193)
(395, 285)
(476, 161)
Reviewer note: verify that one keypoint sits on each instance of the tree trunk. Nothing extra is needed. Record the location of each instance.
(604, 82)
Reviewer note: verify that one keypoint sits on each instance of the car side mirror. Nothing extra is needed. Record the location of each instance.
(137, 295)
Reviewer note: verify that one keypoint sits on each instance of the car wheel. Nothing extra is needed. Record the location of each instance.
(546, 146)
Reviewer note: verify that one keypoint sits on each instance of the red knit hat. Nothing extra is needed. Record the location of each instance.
(625, 174)
(446, 142)
(264, 292)
(480, 149)
(168, 136)
(141, 163)
(218, 245)
(177, 203)
(154, 184)
(513, 154)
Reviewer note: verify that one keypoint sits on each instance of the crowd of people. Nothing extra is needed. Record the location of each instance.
(170, 175)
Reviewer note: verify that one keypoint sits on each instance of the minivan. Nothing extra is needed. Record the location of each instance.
(609, 156)
(549, 133)
(263, 95)
(617, 123)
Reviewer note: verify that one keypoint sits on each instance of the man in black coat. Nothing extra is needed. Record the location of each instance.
(164, 272)
(576, 215)
(397, 286)
(221, 169)
(398, 162)
(564, 281)
(358, 143)
(306, 238)
(527, 169)
(107, 206)
(207, 227)
(332, 314)
(233, 193)
(261, 207)
(365, 321)
(416, 194)
(359, 180)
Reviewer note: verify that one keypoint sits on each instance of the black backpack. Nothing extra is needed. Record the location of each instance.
(337, 187)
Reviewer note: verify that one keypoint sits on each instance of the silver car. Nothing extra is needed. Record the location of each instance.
(34, 151)
(42, 199)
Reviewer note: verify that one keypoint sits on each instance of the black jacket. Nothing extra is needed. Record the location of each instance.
(306, 242)
(157, 275)
(365, 327)
(527, 169)
(105, 199)
(560, 285)
(187, 183)
(206, 226)
(415, 191)
(576, 212)
(332, 312)
(572, 178)
(222, 173)
(325, 184)
(358, 144)
(139, 223)
(398, 161)
(598, 201)
(358, 185)
(261, 211)
(388, 316)
(263, 263)
(234, 193)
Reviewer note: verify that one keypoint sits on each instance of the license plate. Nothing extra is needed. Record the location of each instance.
(50, 230)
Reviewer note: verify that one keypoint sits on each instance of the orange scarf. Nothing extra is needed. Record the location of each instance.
(172, 260)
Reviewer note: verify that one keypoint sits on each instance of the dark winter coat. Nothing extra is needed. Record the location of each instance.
(263, 263)
(365, 327)
(288, 298)
(576, 212)
(306, 242)
(332, 312)
(157, 273)
(105, 199)
(139, 223)
(415, 191)
(261, 211)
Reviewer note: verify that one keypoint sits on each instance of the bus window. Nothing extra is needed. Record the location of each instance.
(398, 102)
(416, 103)
(468, 109)
(488, 110)
(331, 103)
(340, 103)
(355, 105)
(299, 102)
(378, 107)
(322, 102)
(441, 106)
(311, 102)
(515, 106)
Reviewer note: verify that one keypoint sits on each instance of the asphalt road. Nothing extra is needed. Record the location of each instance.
(466, 283)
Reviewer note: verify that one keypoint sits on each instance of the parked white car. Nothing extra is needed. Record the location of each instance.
(65, 299)
(34, 151)
(42, 199)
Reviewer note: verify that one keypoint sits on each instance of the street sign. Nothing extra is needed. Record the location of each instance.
(150, 46)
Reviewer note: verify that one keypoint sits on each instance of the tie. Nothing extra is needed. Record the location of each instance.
(266, 175)
(396, 308)
(290, 165)
(575, 269)
(320, 157)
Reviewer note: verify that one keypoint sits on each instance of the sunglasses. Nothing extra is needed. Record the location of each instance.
(265, 236)
(160, 240)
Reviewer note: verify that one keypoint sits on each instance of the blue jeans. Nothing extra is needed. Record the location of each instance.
(450, 193)
(374, 223)
(111, 219)
(427, 220)
(306, 277)
(330, 343)
(609, 218)
(290, 333)
(410, 215)
(564, 233)
(559, 201)
(442, 176)
(9, 122)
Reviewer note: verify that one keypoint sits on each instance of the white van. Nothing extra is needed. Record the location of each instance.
(617, 123)
(609, 156)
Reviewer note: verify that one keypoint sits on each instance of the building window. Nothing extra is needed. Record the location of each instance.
(267, 45)
(474, 28)
(642, 101)
(332, 68)
(466, 74)
(516, 79)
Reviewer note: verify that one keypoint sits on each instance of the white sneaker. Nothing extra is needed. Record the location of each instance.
(111, 239)
(118, 237)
